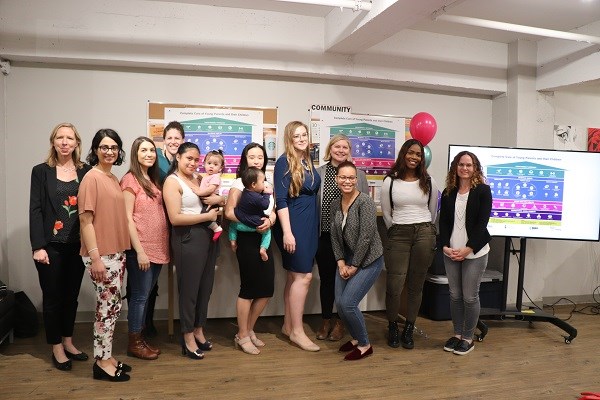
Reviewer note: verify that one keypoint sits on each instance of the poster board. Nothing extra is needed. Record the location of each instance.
(213, 127)
(375, 139)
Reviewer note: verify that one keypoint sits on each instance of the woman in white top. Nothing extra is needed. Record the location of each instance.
(194, 252)
(409, 199)
(464, 215)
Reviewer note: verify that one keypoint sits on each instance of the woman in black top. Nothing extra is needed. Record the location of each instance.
(55, 242)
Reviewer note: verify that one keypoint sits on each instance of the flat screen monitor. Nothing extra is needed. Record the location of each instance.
(546, 194)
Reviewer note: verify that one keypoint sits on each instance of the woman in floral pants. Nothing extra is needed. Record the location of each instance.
(105, 237)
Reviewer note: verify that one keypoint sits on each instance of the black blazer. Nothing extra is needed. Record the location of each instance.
(479, 206)
(42, 203)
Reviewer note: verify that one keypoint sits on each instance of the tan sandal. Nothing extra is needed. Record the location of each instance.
(255, 340)
(246, 345)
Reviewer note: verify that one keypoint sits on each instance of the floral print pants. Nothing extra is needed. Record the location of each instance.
(108, 303)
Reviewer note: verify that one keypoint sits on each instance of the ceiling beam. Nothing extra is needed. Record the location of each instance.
(352, 33)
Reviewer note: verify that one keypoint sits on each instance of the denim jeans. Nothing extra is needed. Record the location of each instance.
(140, 285)
(464, 278)
(349, 293)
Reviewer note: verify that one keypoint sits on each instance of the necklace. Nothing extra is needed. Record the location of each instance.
(305, 164)
(66, 169)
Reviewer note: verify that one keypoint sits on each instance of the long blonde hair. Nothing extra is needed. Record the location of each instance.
(52, 158)
(296, 169)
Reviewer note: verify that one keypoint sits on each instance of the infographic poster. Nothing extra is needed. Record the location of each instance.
(375, 139)
(526, 193)
(219, 129)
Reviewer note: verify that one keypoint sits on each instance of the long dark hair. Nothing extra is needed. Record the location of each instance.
(244, 159)
(92, 157)
(136, 169)
(399, 169)
(181, 150)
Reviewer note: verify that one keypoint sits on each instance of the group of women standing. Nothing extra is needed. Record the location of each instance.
(82, 217)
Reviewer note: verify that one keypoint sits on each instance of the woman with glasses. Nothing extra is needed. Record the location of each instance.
(55, 241)
(296, 183)
(149, 236)
(337, 151)
(409, 198)
(464, 215)
(194, 251)
(359, 256)
(105, 237)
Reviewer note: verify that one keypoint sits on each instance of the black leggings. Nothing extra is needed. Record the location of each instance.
(327, 268)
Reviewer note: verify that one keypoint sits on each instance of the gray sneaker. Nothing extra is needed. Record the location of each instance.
(451, 343)
(464, 347)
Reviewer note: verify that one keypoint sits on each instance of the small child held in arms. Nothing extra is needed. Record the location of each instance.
(211, 182)
(255, 203)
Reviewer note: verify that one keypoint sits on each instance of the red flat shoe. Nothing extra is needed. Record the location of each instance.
(348, 346)
(356, 354)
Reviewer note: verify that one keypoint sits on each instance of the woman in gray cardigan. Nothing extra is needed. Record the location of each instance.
(338, 150)
(359, 255)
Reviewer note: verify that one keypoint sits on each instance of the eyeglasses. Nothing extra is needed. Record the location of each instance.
(300, 136)
(104, 148)
(461, 165)
(346, 178)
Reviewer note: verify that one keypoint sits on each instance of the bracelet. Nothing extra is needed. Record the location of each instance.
(90, 250)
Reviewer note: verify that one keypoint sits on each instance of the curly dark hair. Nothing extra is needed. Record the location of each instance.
(452, 177)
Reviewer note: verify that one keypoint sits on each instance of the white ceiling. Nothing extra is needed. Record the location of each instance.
(562, 15)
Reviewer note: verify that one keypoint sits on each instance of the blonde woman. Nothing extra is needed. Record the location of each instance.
(296, 185)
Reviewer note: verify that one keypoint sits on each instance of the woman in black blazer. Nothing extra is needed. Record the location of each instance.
(55, 242)
(464, 215)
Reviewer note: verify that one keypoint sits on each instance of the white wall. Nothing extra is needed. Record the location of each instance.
(39, 97)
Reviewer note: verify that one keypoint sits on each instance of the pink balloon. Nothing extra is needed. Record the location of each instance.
(423, 127)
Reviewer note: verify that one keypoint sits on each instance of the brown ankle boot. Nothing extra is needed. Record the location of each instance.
(337, 332)
(150, 347)
(137, 348)
(323, 332)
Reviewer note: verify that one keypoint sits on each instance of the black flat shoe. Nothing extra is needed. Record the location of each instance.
(77, 357)
(62, 366)
(123, 367)
(206, 346)
(99, 373)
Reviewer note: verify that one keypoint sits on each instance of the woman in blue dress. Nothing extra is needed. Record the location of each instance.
(296, 233)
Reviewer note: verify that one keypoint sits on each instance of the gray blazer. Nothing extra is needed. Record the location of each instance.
(361, 184)
(358, 243)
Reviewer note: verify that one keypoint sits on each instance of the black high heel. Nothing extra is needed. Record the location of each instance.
(99, 373)
(194, 355)
(62, 366)
(206, 346)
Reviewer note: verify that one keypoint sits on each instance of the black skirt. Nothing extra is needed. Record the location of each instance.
(256, 276)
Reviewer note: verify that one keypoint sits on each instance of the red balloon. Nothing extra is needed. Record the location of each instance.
(423, 127)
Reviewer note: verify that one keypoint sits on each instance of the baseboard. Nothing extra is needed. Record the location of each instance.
(577, 299)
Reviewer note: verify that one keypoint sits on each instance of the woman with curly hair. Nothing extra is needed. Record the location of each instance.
(297, 233)
(465, 212)
(409, 198)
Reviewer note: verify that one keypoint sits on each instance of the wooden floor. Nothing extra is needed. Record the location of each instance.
(517, 360)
